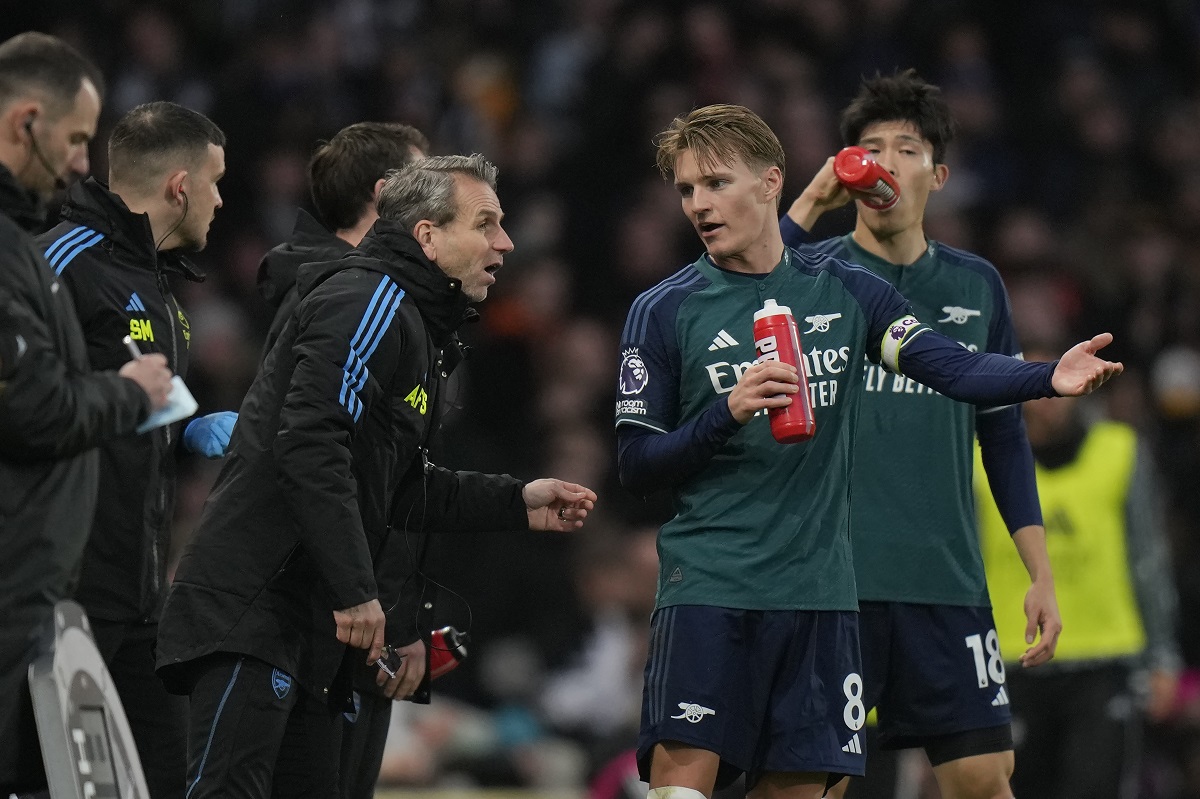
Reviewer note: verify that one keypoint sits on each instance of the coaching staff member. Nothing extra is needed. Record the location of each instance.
(346, 175)
(329, 445)
(116, 249)
(344, 178)
(53, 410)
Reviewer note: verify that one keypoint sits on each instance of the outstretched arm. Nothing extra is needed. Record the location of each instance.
(1080, 371)
(434, 498)
(554, 505)
(983, 378)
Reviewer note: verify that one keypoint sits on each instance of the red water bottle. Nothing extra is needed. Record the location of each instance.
(857, 170)
(776, 338)
(447, 648)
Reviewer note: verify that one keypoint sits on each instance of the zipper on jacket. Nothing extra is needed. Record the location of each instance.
(172, 316)
(165, 293)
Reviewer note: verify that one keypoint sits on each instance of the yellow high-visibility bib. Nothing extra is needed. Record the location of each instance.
(1083, 506)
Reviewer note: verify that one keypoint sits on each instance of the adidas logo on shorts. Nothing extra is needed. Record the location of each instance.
(853, 746)
(1001, 698)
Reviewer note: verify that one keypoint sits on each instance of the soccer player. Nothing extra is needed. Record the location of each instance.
(344, 178)
(929, 648)
(754, 662)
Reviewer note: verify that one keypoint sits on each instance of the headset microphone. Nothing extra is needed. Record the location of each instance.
(59, 183)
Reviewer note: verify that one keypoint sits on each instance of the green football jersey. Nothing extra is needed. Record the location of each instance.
(763, 525)
(913, 516)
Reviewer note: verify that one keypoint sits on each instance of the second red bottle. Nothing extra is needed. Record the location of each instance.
(776, 338)
(857, 170)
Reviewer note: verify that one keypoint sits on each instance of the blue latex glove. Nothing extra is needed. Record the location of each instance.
(209, 435)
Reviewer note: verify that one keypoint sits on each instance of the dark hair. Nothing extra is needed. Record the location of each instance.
(719, 134)
(37, 64)
(344, 170)
(903, 97)
(156, 137)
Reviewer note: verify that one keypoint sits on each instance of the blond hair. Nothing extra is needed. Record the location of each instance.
(719, 134)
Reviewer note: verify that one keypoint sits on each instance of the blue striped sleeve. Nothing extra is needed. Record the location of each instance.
(346, 353)
(63, 250)
(375, 320)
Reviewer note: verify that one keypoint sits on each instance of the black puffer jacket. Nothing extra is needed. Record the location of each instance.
(107, 257)
(328, 448)
(310, 243)
(53, 413)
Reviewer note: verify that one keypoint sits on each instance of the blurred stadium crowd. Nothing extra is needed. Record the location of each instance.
(1076, 172)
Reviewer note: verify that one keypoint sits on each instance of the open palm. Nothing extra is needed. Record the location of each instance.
(1080, 371)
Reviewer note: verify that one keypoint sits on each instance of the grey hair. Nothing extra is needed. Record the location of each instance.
(424, 189)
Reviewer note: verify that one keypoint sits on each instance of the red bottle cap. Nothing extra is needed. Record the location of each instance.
(858, 171)
(852, 165)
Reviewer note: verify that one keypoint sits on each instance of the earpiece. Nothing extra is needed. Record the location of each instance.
(59, 182)
(179, 194)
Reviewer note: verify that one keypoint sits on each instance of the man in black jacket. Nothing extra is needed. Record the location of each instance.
(53, 410)
(329, 448)
(115, 249)
(345, 176)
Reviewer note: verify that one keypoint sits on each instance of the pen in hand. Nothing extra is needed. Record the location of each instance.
(150, 372)
(133, 348)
